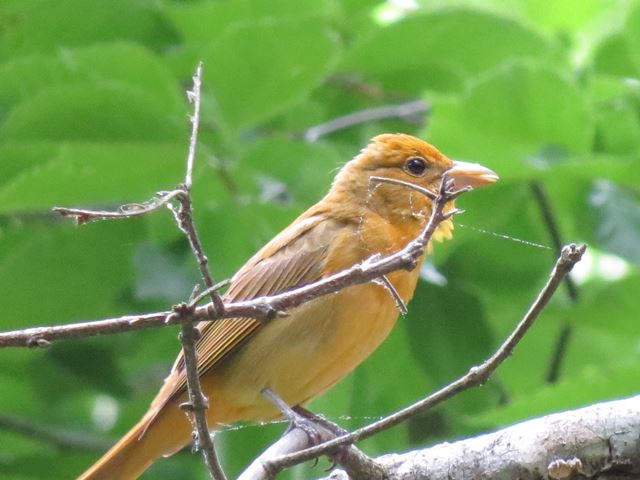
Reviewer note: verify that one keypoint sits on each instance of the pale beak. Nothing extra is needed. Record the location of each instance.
(466, 174)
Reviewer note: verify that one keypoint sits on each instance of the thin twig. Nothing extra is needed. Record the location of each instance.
(82, 216)
(194, 97)
(394, 181)
(402, 110)
(570, 255)
(386, 283)
(184, 214)
(562, 342)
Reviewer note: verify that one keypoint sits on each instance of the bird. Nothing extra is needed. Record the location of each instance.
(244, 363)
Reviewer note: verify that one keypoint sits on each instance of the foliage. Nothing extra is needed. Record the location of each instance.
(93, 112)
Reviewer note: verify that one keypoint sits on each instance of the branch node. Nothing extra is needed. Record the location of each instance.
(38, 342)
(451, 213)
(565, 469)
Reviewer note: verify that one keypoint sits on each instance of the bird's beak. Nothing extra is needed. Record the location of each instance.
(466, 174)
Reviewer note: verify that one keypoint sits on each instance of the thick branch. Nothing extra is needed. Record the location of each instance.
(596, 442)
(353, 460)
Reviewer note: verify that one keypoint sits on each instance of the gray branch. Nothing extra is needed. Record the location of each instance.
(597, 442)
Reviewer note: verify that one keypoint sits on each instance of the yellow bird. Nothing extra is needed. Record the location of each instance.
(299, 356)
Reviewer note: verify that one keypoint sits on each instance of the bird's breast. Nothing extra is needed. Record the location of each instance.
(316, 345)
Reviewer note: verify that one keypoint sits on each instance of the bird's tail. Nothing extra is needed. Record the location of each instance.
(156, 434)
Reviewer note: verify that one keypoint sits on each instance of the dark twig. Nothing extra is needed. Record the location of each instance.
(61, 439)
(198, 403)
(405, 110)
(542, 199)
(562, 342)
(569, 256)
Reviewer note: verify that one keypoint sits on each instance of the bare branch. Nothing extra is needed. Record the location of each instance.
(194, 97)
(571, 254)
(386, 283)
(405, 110)
(130, 210)
(426, 192)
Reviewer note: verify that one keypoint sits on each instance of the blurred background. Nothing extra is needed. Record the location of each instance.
(93, 113)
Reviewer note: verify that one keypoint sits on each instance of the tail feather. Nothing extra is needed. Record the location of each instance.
(152, 437)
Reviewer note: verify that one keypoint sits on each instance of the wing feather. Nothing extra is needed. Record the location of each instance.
(294, 258)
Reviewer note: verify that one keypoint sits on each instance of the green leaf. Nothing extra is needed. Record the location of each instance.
(618, 210)
(302, 171)
(519, 118)
(232, 239)
(31, 26)
(442, 49)
(615, 56)
(200, 22)
(448, 333)
(259, 69)
(75, 273)
(91, 112)
(103, 65)
(619, 53)
(591, 386)
(93, 173)
(435, 321)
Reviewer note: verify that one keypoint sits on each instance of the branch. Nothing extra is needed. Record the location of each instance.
(597, 442)
(570, 255)
(402, 110)
(354, 461)
(130, 210)
(262, 308)
(183, 214)
(198, 403)
(542, 199)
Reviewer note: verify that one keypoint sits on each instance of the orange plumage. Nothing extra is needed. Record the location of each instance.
(305, 353)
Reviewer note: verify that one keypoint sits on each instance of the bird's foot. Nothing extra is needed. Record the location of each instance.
(306, 423)
(334, 428)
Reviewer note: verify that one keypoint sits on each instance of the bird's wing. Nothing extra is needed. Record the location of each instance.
(293, 258)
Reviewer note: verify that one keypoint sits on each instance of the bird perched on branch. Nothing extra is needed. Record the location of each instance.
(299, 356)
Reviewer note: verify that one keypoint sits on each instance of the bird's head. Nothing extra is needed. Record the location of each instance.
(411, 160)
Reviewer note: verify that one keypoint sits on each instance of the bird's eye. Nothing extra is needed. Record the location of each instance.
(415, 166)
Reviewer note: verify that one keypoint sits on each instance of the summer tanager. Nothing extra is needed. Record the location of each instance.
(301, 355)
